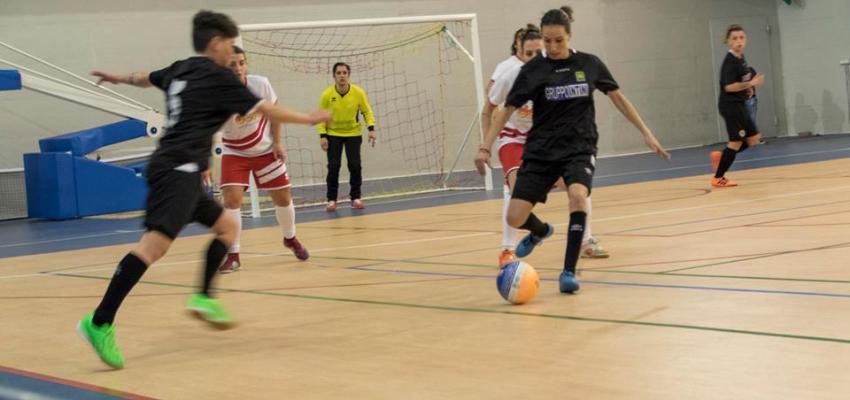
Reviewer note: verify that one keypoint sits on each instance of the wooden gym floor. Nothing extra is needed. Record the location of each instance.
(735, 293)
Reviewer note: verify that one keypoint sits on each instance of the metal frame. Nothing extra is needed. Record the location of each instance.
(115, 103)
(474, 56)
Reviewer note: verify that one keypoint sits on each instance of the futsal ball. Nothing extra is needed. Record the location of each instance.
(518, 282)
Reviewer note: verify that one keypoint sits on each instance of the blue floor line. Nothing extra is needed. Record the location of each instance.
(583, 281)
(26, 237)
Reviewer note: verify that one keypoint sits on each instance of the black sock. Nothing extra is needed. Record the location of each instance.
(127, 274)
(726, 161)
(535, 226)
(575, 234)
(215, 255)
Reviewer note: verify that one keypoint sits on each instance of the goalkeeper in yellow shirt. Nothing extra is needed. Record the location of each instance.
(348, 103)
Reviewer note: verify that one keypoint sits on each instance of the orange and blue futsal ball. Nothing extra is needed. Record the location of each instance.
(518, 282)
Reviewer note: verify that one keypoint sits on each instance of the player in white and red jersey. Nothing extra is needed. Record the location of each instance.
(252, 145)
(510, 63)
(512, 137)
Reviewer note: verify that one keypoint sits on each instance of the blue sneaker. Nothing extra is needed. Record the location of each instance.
(567, 282)
(526, 245)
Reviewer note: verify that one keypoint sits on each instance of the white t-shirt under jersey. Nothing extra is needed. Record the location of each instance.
(507, 64)
(250, 135)
(520, 122)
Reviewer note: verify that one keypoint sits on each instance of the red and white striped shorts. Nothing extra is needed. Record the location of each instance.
(269, 172)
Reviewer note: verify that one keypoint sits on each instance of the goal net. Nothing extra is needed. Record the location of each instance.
(423, 83)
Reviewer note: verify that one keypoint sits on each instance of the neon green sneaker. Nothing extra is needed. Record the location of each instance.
(209, 310)
(102, 339)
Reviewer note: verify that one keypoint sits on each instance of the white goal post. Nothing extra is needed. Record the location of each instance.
(420, 74)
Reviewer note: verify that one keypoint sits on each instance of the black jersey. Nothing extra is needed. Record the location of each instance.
(564, 113)
(200, 97)
(734, 69)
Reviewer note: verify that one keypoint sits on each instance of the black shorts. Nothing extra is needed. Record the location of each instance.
(739, 125)
(175, 199)
(535, 178)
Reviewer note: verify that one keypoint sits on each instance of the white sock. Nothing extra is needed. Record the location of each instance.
(587, 236)
(286, 220)
(508, 232)
(236, 214)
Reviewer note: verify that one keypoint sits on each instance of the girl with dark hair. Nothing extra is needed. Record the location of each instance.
(562, 141)
(347, 103)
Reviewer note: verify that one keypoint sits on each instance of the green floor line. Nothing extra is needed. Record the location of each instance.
(486, 311)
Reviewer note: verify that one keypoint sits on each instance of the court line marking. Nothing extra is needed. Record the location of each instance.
(734, 216)
(658, 212)
(761, 278)
(65, 239)
(712, 205)
(129, 231)
(737, 162)
(629, 216)
(613, 271)
(499, 312)
(125, 232)
(111, 266)
(636, 284)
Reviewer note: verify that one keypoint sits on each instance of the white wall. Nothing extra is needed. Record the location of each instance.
(815, 36)
(659, 50)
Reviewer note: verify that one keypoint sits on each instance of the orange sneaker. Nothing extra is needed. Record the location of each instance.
(331, 207)
(722, 182)
(715, 159)
(357, 204)
(507, 256)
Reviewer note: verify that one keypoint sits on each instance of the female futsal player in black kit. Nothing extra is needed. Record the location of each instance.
(562, 141)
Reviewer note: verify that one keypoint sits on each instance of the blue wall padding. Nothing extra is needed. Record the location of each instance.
(86, 141)
(105, 188)
(10, 79)
(51, 190)
(62, 183)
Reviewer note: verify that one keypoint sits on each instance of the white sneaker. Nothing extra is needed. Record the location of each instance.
(592, 249)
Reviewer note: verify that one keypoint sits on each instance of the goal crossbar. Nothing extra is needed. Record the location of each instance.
(356, 22)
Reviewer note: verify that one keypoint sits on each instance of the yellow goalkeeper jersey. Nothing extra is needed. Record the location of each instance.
(347, 110)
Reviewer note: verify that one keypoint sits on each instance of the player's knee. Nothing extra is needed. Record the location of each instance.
(231, 197)
(281, 198)
(233, 203)
(225, 229)
(578, 197)
(227, 236)
(516, 218)
(151, 251)
(734, 145)
(511, 180)
(578, 202)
